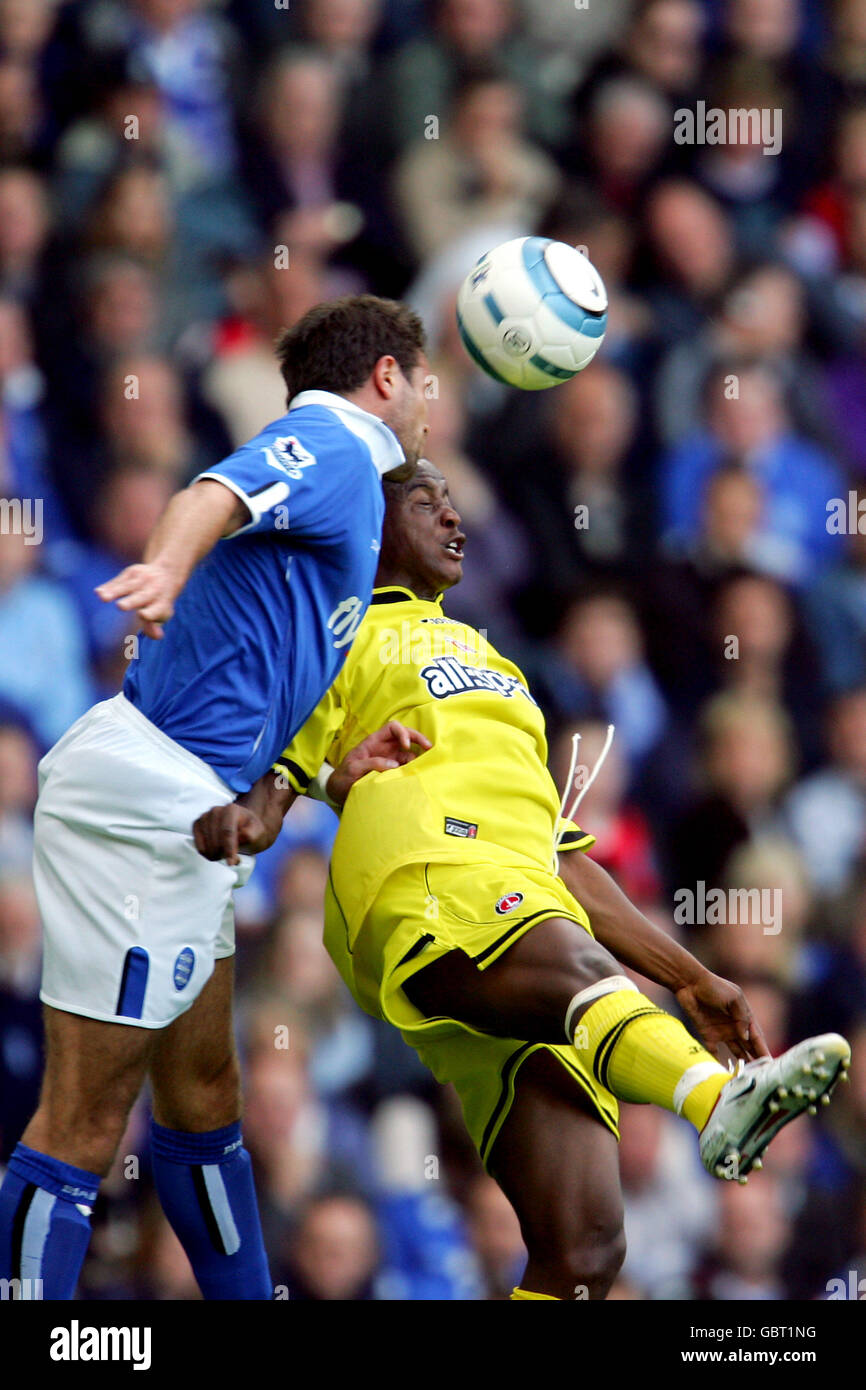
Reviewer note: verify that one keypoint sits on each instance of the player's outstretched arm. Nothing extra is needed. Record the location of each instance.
(190, 526)
(252, 823)
(717, 1008)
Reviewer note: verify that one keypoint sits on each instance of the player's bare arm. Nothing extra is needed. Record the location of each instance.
(248, 825)
(252, 822)
(192, 523)
(718, 1009)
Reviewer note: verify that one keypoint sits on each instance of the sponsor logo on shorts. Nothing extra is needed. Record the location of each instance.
(508, 902)
(463, 829)
(183, 967)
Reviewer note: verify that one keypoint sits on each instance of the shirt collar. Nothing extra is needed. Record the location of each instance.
(384, 446)
(395, 593)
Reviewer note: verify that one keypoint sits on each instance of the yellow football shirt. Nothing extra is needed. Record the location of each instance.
(483, 792)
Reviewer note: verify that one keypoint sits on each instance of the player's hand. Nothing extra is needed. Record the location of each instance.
(224, 831)
(389, 747)
(149, 590)
(721, 1015)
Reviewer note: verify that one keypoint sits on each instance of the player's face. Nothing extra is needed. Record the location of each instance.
(421, 538)
(408, 415)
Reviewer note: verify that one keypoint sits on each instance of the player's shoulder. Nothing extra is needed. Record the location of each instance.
(342, 424)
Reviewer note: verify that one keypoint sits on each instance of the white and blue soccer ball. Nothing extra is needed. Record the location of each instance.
(532, 312)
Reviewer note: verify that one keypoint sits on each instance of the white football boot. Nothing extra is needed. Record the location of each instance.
(762, 1096)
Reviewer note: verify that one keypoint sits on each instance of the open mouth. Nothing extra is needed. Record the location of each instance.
(455, 547)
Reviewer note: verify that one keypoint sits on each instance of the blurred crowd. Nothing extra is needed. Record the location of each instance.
(672, 542)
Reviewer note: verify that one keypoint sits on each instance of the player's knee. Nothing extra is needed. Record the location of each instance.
(204, 1095)
(584, 1261)
(597, 1258)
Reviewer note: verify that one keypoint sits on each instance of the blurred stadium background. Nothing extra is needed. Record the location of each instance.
(178, 181)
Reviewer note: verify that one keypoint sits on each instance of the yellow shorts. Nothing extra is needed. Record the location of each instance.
(425, 910)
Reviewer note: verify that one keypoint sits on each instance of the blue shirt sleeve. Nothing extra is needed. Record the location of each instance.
(286, 488)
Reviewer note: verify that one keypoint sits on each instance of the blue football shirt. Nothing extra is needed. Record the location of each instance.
(265, 621)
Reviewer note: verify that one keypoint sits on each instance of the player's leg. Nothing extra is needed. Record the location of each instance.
(557, 982)
(202, 1171)
(556, 976)
(557, 1164)
(93, 1073)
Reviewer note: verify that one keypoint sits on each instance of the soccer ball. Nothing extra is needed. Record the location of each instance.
(532, 312)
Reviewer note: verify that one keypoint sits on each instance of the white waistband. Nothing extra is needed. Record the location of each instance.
(124, 709)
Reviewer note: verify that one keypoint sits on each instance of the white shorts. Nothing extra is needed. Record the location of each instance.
(133, 916)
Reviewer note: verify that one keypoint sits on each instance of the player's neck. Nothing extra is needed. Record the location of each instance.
(400, 579)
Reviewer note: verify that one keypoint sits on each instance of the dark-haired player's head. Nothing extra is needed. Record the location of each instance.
(369, 350)
(422, 544)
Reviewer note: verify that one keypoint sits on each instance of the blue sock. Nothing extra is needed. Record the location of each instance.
(45, 1208)
(205, 1184)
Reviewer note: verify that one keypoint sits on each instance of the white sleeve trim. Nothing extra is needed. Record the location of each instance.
(257, 506)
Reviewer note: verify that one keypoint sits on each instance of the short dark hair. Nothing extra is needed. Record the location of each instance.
(336, 345)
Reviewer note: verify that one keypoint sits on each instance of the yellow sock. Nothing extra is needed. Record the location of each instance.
(641, 1053)
(519, 1293)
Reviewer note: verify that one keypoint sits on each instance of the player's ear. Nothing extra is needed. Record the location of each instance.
(386, 376)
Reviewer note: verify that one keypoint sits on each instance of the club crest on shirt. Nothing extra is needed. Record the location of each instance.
(508, 902)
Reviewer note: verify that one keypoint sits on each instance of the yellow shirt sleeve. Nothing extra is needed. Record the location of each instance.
(572, 836)
(300, 762)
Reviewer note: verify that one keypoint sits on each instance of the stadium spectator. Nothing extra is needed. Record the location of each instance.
(300, 1144)
(24, 228)
(758, 929)
(756, 432)
(20, 1014)
(423, 76)
(835, 608)
(43, 661)
(495, 1235)
(670, 1205)
(763, 315)
(334, 1252)
(190, 53)
(746, 761)
(691, 243)
(759, 647)
(125, 509)
(744, 1259)
(128, 114)
(24, 461)
(300, 108)
(17, 796)
(834, 797)
(241, 380)
(602, 671)
(480, 169)
(628, 129)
